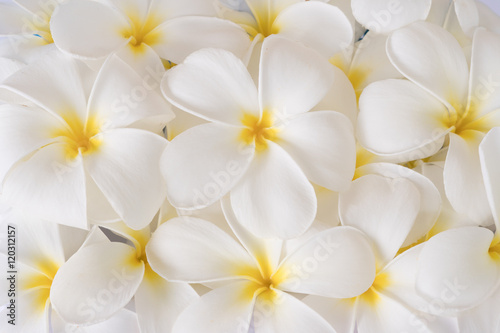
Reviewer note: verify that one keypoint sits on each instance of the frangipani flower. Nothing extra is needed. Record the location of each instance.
(143, 32)
(251, 280)
(413, 118)
(26, 26)
(385, 209)
(261, 145)
(42, 248)
(102, 278)
(318, 25)
(461, 267)
(72, 157)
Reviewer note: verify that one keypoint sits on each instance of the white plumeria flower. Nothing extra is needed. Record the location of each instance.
(26, 26)
(252, 282)
(143, 32)
(42, 248)
(318, 25)
(385, 16)
(413, 118)
(72, 156)
(261, 144)
(385, 209)
(461, 267)
(102, 278)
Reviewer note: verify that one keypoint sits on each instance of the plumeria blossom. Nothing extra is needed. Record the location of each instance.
(440, 101)
(72, 157)
(316, 24)
(467, 259)
(252, 282)
(26, 26)
(43, 249)
(385, 210)
(260, 144)
(143, 32)
(102, 278)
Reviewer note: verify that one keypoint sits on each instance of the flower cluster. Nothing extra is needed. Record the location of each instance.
(256, 166)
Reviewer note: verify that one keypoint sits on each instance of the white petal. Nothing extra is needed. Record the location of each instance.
(13, 19)
(88, 29)
(120, 96)
(145, 62)
(184, 35)
(341, 97)
(203, 163)
(396, 116)
(99, 210)
(430, 198)
(126, 169)
(402, 274)
(390, 316)
(455, 267)
(50, 186)
(189, 249)
(122, 321)
(490, 159)
(266, 251)
(287, 314)
(383, 16)
(432, 58)
(223, 310)
(384, 209)
(483, 318)
(292, 78)
(42, 242)
(284, 210)
(467, 14)
(96, 282)
(337, 262)
(53, 82)
(485, 73)
(31, 314)
(158, 303)
(371, 63)
(212, 84)
(174, 8)
(320, 26)
(463, 180)
(323, 144)
(22, 131)
(340, 313)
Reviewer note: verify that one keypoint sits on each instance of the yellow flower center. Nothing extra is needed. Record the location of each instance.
(141, 32)
(79, 136)
(464, 118)
(264, 279)
(371, 296)
(40, 282)
(494, 250)
(258, 130)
